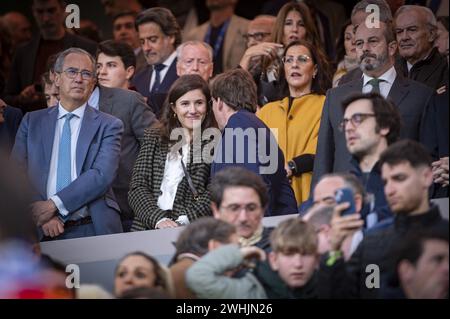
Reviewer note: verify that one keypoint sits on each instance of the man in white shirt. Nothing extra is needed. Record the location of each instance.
(70, 153)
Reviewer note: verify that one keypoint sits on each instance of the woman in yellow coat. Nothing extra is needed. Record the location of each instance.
(295, 120)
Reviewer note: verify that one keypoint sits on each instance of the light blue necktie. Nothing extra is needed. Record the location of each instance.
(64, 174)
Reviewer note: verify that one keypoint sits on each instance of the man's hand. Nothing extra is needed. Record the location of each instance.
(166, 224)
(440, 171)
(54, 227)
(268, 49)
(29, 94)
(343, 226)
(288, 171)
(43, 211)
(253, 252)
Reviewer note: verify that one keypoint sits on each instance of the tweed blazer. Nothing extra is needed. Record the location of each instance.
(145, 187)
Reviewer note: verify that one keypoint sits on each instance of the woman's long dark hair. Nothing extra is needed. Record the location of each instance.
(180, 87)
(322, 82)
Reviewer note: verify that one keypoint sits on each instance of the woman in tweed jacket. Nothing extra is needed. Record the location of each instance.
(161, 194)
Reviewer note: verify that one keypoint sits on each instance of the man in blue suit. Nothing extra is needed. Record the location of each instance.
(159, 34)
(70, 153)
(246, 141)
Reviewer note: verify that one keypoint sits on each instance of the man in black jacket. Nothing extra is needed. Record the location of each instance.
(416, 32)
(406, 172)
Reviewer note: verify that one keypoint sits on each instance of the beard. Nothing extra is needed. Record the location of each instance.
(378, 61)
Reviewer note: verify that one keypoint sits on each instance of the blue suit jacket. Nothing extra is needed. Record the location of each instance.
(97, 159)
(142, 83)
(230, 152)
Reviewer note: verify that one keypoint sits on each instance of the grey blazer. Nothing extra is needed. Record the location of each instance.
(136, 115)
(412, 99)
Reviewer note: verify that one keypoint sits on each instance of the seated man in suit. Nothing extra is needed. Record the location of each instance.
(115, 65)
(159, 34)
(375, 49)
(71, 153)
(246, 141)
(30, 60)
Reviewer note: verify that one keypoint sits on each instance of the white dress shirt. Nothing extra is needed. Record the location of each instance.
(385, 86)
(94, 98)
(75, 125)
(163, 72)
(173, 174)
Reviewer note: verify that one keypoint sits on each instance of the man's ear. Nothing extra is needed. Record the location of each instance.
(273, 260)
(57, 79)
(427, 176)
(392, 48)
(215, 210)
(359, 202)
(130, 72)
(384, 132)
(405, 271)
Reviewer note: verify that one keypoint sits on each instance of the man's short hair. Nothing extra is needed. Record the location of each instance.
(236, 88)
(350, 181)
(195, 237)
(430, 18)
(294, 236)
(124, 14)
(406, 151)
(59, 63)
(385, 10)
(196, 43)
(386, 114)
(236, 176)
(164, 18)
(321, 216)
(117, 48)
(411, 247)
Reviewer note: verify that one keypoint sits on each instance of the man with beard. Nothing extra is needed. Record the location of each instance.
(159, 34)
(224, 32)
(376, 48)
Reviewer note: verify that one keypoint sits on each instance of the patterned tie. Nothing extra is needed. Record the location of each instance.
(64, 174)
(158, 68)
(375, 85)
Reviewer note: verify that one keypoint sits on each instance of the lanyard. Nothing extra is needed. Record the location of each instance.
(219, 39)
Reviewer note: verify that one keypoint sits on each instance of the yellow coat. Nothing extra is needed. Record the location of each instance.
(297, 132)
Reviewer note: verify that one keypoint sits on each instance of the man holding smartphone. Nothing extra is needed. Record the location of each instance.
(407, 176)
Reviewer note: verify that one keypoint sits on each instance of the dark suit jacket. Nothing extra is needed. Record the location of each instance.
(142, 83)
(412, 99)
(136, 116)
(9, 127)
(98, 152)
(281, 196)
(22, 69)
(145, 187)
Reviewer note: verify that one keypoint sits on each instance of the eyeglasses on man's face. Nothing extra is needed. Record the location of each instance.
(257, 36)
(236, 208)
(301, 59)
(72, 73)
(356, 120)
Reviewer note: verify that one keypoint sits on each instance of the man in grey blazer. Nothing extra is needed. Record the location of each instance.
(376, 49)
(130, 107)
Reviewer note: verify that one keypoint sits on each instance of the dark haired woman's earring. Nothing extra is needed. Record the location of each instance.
(174, 114)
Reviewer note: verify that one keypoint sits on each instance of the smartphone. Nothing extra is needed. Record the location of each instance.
(345, 195)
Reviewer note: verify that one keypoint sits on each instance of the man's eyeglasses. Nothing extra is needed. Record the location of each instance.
(356, 120)
(301, 59)
(258, 36)
(72, 74)
(235, 208)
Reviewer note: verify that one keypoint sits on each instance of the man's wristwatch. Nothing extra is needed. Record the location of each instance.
(293, 167)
